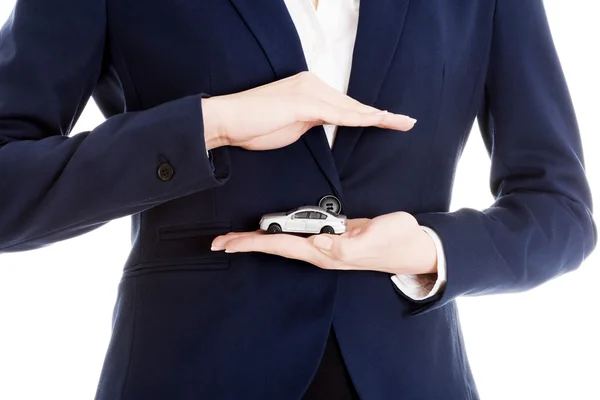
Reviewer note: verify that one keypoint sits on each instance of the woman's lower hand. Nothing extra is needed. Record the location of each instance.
(392, 243)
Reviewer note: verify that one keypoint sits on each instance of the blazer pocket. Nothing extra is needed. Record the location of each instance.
(205, 263)
(187, 241)
(193, 230)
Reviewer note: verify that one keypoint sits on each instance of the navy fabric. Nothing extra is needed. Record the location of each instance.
(192, 324)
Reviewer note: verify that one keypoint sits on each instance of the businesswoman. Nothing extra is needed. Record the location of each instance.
(219, 111)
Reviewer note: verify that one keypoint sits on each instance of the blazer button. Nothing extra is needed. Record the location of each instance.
(331, 203)
(165, 172)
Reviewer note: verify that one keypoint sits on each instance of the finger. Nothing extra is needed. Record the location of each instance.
(355, 227)
(331, 95)
(326, 113)
(344, 117)
(283, 245)
(355, 223)
(339, 100)
(288, 246)
(355, 232)
(314, 88)
(221, 241)
(397, 122)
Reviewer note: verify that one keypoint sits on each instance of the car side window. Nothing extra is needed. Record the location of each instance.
(317, 215)
(301, 215)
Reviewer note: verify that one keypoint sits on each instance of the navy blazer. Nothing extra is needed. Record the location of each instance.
(193, 324)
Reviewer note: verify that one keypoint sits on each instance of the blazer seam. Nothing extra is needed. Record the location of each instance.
(329, 329)
(118, 49)
(132, 340)
(83, 99)
(490, 111)
(436, 127)
(210, 92)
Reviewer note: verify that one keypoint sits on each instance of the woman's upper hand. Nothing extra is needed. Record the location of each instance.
(279, 113)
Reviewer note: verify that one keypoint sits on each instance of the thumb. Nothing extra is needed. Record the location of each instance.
(341, 248)
(323, 242)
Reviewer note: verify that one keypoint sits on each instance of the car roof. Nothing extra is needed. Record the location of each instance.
(311, 208)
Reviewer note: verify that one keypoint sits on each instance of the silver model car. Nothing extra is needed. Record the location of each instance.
(306, 219)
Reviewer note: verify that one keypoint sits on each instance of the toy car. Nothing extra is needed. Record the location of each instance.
(306, 219)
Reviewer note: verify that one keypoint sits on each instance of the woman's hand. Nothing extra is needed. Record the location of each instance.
(277, 114)
(392, 243)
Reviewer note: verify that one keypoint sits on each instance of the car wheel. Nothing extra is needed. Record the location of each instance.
(327, 229)
(274, 228)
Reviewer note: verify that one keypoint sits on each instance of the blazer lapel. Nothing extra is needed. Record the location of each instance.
(271, 24)
(380, 24)
(274, 30)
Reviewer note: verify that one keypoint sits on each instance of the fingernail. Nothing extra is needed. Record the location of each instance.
(323, 242)
(230, 251)
(409, 119)
(214, 246)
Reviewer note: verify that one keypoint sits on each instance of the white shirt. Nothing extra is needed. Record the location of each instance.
(327, 34)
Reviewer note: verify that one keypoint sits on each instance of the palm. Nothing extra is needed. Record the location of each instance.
(277, 138)
(392, 243)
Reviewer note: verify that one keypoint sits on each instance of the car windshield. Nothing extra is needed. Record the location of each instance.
(292, 211)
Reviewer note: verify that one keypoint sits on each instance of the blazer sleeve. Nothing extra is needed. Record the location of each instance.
(54, 186)
(540, 225)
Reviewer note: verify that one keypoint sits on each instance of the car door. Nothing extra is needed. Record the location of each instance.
(297, 222)
(315, 222)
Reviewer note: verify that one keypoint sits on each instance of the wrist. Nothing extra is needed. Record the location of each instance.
(428, 260)
(214, 134)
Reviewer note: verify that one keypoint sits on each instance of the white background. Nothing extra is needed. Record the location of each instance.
(56, 303)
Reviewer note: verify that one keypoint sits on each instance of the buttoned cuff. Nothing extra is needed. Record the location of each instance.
(423, 287)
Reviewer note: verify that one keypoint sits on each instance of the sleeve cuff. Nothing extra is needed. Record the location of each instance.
(423, 287)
